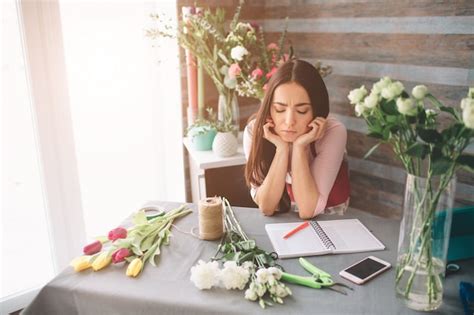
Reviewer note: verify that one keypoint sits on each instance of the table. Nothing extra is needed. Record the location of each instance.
(167, 289)
(211, 175)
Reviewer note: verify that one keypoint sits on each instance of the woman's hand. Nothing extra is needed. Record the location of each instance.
(316, 132)
(272, 136)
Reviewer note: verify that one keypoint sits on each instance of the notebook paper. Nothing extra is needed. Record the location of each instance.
(322, 237)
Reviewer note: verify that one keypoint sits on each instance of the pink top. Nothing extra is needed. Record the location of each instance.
(325, 166)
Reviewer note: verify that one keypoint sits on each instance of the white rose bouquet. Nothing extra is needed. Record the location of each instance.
(429, 139)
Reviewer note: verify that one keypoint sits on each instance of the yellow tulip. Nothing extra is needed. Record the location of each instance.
(134, 267)
(81, 263)
(102, 261)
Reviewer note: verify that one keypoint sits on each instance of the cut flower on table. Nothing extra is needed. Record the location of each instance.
(136, 245)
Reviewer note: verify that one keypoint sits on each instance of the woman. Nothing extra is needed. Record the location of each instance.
(294, 151)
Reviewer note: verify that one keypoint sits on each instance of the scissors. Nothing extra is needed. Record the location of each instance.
(318, 279)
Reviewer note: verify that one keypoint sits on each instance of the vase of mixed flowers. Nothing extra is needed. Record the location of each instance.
(431, 150)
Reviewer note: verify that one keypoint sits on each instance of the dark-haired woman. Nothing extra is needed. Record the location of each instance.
(295, 152)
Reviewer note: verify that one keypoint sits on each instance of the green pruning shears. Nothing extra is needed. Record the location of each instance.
(318, 279)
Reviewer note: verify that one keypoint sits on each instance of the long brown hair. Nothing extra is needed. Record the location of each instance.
(262, 151)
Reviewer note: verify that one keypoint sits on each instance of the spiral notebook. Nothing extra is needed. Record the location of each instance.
(322, 237)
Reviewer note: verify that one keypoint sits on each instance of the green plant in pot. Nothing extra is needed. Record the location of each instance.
(203, 131)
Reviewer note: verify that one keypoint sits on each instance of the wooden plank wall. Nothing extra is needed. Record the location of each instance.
(418, 42)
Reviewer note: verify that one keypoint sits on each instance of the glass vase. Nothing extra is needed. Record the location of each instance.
(228, 110)
(423, 242)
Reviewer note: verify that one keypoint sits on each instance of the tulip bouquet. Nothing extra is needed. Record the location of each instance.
(429, 139)
(243, 263)
(135, 245)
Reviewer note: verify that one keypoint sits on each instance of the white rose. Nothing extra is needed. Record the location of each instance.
(233, 276)
(356, 95)
(371, 101)
(381, 84)
(275, 272)
(238, 53)
(406, 106)
(467, 102)
(360, 109)
(393, 90)
(468, 115)
(419, 92)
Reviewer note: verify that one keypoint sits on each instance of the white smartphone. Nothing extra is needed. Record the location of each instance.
(364, 270)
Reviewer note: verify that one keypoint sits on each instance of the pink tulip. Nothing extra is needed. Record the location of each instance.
(257, 73)
(271, 73)
(234, 70)
(117, 233)
(120, 254)
(92, 248)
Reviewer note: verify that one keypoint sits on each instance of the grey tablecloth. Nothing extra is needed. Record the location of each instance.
(168, 290)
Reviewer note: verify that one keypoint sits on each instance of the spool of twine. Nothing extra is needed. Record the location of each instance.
(211, 225)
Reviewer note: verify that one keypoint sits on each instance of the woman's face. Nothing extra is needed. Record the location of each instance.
(291, 111)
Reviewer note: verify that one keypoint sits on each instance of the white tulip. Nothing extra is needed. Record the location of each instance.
(419, 92)
(371, 101)
(238, 53)
(356, 95)
(406, 106)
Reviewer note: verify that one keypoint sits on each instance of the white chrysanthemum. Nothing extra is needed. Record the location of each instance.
(371, 101)
(251, 294)
(406, 106)
(381, 84)
(419, 92)
(205, 275)
(238, 53)
(356, 95)
(233, 276)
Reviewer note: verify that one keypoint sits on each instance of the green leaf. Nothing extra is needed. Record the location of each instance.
(147, 242)
(376, 135)
(392, 118)
(466, 162)
(386, 133)
(372, 150)
(449, 110)
(441, 166)
(140, 218)
(429, 135)
(422, 117)
(389, 108)
(418, 150)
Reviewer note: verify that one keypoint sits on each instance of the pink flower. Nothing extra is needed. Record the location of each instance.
(272, 46)
(257, 73)
(120, 254)
(117, 233)
(92, 248)
(255, 25)
(234, 70)
(271, 73)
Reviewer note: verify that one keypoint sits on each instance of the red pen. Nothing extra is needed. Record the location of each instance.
(296, 229)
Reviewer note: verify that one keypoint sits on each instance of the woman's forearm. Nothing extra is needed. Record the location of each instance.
(269, 193)
(304, 188)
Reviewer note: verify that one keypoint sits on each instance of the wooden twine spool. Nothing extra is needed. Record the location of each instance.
(211, 225)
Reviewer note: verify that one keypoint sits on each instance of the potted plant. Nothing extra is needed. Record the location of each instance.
(203, 131)
(225, 143)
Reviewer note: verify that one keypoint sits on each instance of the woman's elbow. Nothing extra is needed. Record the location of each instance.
(266, 209)
(304, 215)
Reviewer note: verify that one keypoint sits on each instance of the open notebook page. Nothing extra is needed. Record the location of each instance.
(350, 236)
(303, 243)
